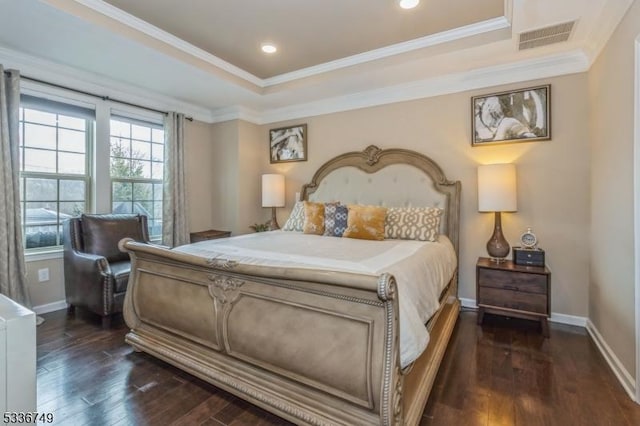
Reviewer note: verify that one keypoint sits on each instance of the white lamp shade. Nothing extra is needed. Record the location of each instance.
(272, 190)
(497, 188)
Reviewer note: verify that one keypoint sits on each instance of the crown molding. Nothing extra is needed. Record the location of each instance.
(392, 50)
(236, 112)
(52, 72)
(533, 69)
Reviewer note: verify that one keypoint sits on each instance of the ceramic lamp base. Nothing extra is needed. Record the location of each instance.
(273, 223)
(497, 246)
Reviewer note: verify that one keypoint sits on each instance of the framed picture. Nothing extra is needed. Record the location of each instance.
(514, 116)
(288, 144)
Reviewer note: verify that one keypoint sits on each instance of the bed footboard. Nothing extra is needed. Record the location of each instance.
(314, 347)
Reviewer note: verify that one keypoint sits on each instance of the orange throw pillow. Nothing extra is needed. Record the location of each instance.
(365, 222)
(313, 218)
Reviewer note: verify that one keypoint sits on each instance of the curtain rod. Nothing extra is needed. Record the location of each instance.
(104, 98)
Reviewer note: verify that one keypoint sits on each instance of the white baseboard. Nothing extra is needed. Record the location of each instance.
(568, 319)
(555, 317)
(468, 303)
(625, 379)
(50, 307)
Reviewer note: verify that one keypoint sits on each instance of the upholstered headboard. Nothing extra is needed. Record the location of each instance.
(390, 177)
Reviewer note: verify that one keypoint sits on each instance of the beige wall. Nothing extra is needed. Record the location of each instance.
(199, 150)
(199, 175)
(553, 186)
(611, 90)
(236, 185)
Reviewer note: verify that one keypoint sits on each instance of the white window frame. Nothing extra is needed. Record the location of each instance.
(99, 188)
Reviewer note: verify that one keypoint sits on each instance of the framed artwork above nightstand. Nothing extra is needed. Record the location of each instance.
(512, 290)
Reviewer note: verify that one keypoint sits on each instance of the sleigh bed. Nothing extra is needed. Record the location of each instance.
(312, 344)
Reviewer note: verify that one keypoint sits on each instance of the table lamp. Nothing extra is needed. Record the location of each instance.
(273, 196)
(497, 193)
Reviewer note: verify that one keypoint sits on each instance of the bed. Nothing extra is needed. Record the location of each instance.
(315, 340)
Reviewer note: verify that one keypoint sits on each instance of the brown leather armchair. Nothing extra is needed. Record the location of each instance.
(96, 272)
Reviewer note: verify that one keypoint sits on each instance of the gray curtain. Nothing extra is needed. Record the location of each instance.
(175, 226)
(13, 283)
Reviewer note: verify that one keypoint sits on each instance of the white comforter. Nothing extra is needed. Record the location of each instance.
(422, 269)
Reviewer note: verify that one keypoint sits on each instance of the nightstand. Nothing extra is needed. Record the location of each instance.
(211, 234)
(513, 290)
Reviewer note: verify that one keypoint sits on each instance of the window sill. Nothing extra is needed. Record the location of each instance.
(43, 255)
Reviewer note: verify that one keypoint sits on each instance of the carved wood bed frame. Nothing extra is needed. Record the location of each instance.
(337, 362)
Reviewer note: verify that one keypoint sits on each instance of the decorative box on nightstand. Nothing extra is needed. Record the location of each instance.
(211, 234)
(525, 256)
(513, 290)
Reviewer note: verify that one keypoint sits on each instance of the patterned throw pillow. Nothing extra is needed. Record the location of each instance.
(335, 219)
(413, 223)
(313, 218)
(365, 222)
(295, 222)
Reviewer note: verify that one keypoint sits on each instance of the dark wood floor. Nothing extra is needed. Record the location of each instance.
(501, 373)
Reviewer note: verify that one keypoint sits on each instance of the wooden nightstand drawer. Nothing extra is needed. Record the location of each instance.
(516, 281)
(500, 298)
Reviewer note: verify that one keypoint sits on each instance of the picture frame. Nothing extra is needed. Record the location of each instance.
(287, 144)
(513, 116)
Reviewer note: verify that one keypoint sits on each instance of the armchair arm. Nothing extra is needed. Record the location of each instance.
(87, 281)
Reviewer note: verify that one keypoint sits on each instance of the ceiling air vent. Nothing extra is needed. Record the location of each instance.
(547, 35)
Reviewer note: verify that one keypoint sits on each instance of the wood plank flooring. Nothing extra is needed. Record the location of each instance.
(501, 373)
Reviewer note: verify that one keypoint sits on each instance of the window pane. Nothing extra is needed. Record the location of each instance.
(157, 191)
(143, 169)
(41, 214)
(71, 209)
(121, 207)
(120, 167)
(155, 228)
(39, 160)
(121, 191)
(140, 132)
(142, 192)
(157, 170)
(72, 164)
(71, 140)
(157, 135)
(72, 190)
(120, 128)
(72, 122)
(39, 136)
(141, 150)
(143, 207)
(157, 210)
(157, 151)
(41, 190)
(41, 236)
(39, 117)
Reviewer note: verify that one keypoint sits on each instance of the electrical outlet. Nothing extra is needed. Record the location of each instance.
(43, 275)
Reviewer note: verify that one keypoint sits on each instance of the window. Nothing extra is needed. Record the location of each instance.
(137, 169)
(72, 163)
(54, 167)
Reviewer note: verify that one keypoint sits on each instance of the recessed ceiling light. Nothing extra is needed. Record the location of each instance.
(268, 48)
(408, 4)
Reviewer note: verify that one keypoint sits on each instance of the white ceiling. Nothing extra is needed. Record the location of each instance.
(201, 56)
